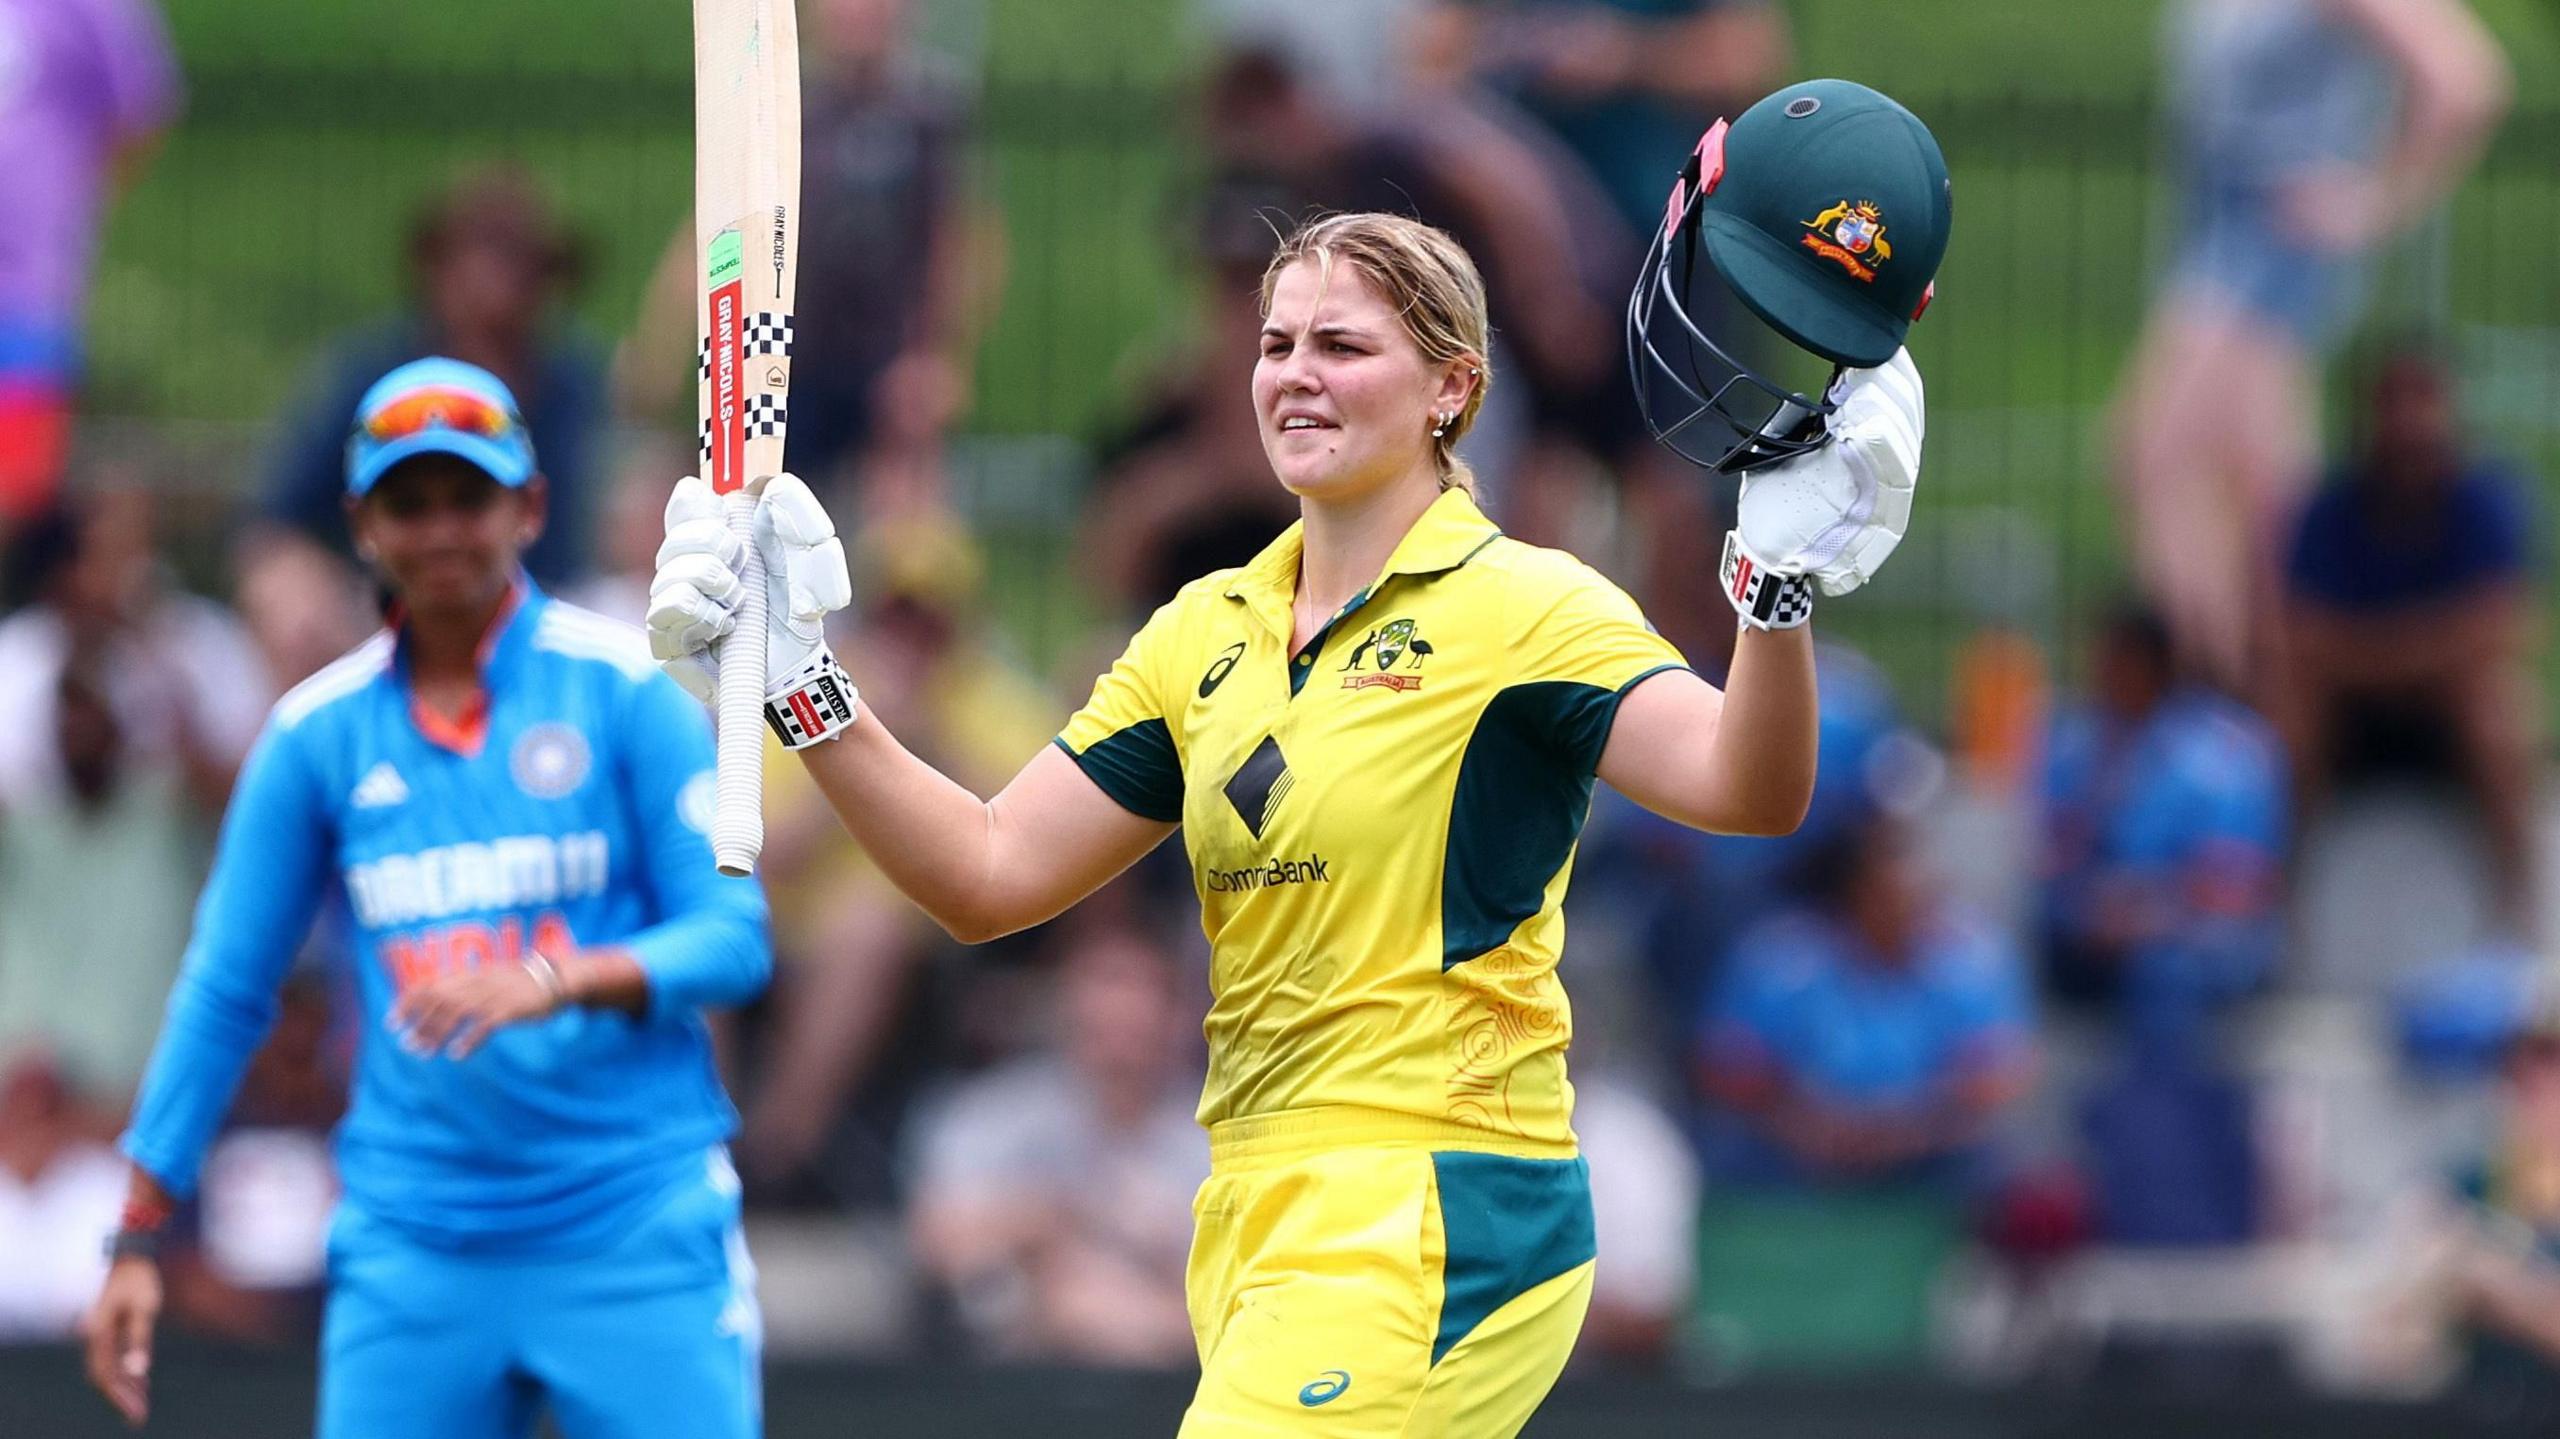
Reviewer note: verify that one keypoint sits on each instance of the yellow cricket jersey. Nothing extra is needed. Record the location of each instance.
(1380, 826)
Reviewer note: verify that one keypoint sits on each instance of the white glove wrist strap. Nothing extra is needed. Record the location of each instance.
(813, 703)
(1765, 599)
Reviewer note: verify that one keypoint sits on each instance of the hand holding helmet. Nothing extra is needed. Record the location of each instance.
(1833, 514)
(1825, 210)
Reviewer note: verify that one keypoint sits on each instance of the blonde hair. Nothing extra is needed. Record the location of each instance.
(1434, 288)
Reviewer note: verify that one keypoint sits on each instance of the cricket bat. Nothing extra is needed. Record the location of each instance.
(746, 218)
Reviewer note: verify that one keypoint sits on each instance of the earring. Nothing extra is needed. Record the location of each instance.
(1440, 426)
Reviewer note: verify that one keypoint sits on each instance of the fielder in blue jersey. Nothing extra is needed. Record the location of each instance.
(538, 1211)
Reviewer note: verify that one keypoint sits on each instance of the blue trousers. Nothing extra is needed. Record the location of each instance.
(655, 1337)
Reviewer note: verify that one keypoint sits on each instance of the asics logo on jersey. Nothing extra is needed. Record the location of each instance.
(1327, 1387)
(380, 788)
(517, 872)
(1220, 668)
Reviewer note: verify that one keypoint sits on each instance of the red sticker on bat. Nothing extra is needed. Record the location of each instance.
(728, 428)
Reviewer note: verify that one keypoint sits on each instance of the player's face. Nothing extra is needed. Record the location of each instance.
(1344, 397)
(445, 536)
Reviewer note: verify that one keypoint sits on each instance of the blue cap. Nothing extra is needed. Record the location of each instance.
(439, 407)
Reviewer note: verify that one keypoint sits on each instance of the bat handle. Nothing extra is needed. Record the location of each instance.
(737, 825)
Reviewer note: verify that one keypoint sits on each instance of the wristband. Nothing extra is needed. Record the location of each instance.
(139, 1231)
(1765, 599)
(547, 974)
(815, 703)
(133, 1244)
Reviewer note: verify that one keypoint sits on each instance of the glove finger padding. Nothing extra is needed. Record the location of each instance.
(1837, 513)
(693, 595)
(682, 618)
(691, 500)
(699, 675)
(800, 547)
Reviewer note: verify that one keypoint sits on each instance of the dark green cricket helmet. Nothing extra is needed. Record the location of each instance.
(1824, 208)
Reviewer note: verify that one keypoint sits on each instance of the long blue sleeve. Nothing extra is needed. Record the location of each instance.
(270, 874)
(710, 948)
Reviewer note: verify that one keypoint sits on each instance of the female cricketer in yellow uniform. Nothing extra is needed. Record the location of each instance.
(1378, 740)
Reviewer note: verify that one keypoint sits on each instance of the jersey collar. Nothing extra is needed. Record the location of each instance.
(510, 632)
(1447, 535)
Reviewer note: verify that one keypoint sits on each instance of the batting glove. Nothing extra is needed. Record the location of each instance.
(1830, 517)
(693, 600)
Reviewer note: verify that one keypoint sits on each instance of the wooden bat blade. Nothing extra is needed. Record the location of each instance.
(746, 211)
(746, 203)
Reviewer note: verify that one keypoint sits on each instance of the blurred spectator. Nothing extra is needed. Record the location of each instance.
(86, 86)
(1690, 894)
(60, 1194)
(2507, 1277)
(899, 261)
(488, 263)
(128, 709)
(96, 880)
(2172, 1151)
(2476, 1261)
(2164, 840)
(2308, 132)
(178, 671)
(1354, 50)
(303, 608)
(1054, 1198)
(1628, 85)
(848, 948)
(1644, 1209)
(633, 522)
(1441, 160)
(1184, 488)
(2410, 625)
(1873, 1037)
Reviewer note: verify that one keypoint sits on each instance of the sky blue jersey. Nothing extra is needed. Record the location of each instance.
(573, 815)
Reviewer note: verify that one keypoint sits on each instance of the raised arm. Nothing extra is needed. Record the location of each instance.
(1739, 762)
(1743, 761)
(980, 868)
(2455, 85)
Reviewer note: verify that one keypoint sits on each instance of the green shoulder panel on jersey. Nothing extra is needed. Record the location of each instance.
(1123, 737)
(1524, 789)
(1137, 767)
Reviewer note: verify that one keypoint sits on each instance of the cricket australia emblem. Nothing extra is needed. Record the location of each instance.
(550, 761)
(1850, 235)
(1396, 649)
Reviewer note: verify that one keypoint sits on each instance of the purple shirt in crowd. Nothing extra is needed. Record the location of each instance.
(79, 79)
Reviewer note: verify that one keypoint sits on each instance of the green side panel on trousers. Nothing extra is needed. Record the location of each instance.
(1511, 1224)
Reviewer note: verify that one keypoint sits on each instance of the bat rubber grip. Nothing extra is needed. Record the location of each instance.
(737, 824)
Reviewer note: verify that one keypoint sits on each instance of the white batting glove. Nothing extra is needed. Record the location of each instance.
(1832, 515)
(693, 597)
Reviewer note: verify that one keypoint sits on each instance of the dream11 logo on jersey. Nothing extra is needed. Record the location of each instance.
(519, 872)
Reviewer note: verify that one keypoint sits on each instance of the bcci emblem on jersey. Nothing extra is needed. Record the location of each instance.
(550, 761)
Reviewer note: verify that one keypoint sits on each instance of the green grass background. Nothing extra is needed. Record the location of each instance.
(273, 219)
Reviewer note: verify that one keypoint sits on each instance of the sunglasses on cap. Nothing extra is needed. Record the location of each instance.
(440, 408)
